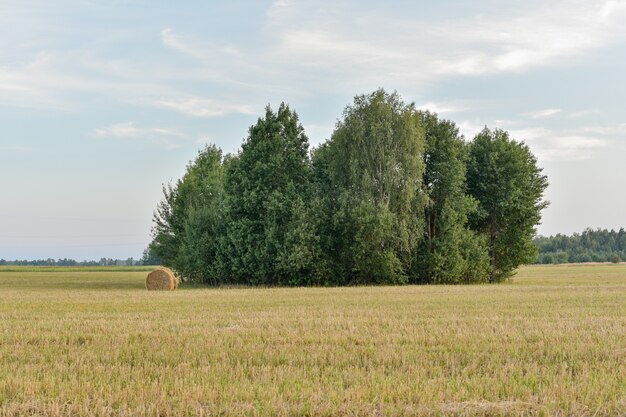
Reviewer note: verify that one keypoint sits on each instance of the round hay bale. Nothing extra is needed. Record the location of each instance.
(162, 279)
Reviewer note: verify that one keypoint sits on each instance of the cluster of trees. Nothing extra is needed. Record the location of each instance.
(599, 245)
(395, 196)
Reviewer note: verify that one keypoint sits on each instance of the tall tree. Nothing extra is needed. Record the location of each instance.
(268, 186)
(374, 163)
(450, 252)
(187, 222)
(503, 175)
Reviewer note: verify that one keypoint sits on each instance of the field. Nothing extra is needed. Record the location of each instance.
(76, 342)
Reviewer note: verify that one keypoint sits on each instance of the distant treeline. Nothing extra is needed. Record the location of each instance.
(395, 196)
(72, 262)
(600, 245)
(148, 258)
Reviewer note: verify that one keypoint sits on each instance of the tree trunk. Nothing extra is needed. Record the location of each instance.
(493, 265)
(492, 244)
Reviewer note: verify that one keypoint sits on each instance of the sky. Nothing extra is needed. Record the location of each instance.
(102, 102)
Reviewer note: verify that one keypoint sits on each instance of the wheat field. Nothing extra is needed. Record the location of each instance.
(94, 342)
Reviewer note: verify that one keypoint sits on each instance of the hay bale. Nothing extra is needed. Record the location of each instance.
(162, 279)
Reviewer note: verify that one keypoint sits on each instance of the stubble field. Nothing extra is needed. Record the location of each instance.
(77, 342)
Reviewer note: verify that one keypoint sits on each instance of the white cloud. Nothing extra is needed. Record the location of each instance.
(47, 80)
(130, 130)
(277, 7)
(614, 130)
(318, 133)
(173, 41)
(200, 107)
(470, 128)
(560, 144)
(581, 113)
(549, 113)
(442, 107)
(203, 140)
(308, 48)
(576, 143)
(414, 48)
(612, 9)
(542, 114)
(563, 144)
(207, 53)
(16, 148)
(330, 46)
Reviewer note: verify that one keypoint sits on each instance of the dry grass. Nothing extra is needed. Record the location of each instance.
(552, 342)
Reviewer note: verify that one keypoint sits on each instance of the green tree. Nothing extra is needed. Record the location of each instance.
(450, 252)
(324, 206)
(374, 165)
(187, 223)
(269, 240)
(503, 176)
(149, 257)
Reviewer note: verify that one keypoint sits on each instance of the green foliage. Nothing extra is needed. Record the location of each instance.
(187, 222)
(374, 164)
(149, 256)
(599, 245)
(395, 196)
(268, 187)
(503, 176)
(449, 252)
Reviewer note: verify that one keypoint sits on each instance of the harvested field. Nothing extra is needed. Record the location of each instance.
(96, 343)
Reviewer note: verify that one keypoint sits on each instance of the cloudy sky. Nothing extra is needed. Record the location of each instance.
(103, 101)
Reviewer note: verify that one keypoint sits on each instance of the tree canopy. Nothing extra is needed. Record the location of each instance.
(449, 252)
(375, 168)
(504, 178)
(267, 193)
(189, 219)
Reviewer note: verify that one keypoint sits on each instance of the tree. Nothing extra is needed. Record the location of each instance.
(374, 165)
(149, 257)
(503, 176)
(450, 252)
(269, 241)
(186, 230)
